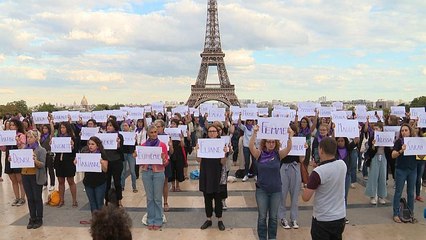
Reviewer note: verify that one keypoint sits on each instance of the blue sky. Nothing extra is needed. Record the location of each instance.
(144, 51)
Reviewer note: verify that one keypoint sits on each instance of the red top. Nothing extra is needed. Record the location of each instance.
(158, 167)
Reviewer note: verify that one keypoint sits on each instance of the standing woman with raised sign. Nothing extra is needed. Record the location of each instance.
(64, 166)
(209, 182)
(15, 173)
(268, 185)
(46, 136)
(141, 134)
(153, 181)
(128, 151)
(305, 129)
(33, 180)
(177, 160)
(115, 162)
(247, 128)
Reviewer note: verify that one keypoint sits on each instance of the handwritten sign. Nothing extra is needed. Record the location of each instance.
(182, 110)
(422, 121)
(74, 115)
(415, 146)
(235, 111)
(248, 114)
(252, 105)
(60, 116)
(216, 114)
(326, 111)
(337, 105)
(272, 128)
(385, 139)
(211, 148)
(416, 112)
(263, 112)
(184, 130)
(346, 128)
(174, 133)
(304, 112)
(164, 139)
(226, 139)
(361, 115)
(204, 108)
(361, 108)
(398, 111)
(88, 132)
(375, 116)
(148, 155)
(100, 116)
(21, 158)
(129, 138)
(109, 140)
(40, 117)
(339, 115)
(158, 107)
(88, 162)
(148, 121)
(120, 114)
(394, 129)
(8, 138)
(297, 146)
(147, 109)
(136, 113)
(85, 116)
(61, 145)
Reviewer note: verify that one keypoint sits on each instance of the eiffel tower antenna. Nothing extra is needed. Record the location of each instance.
(212, 56)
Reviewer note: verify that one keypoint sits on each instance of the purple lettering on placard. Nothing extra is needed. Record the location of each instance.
(19, 159)
(267, 129)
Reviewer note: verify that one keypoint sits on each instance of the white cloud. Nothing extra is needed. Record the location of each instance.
(6, 91)
(2, 58)
(95, 76)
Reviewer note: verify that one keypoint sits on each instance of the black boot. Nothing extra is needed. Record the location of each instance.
(38, 222)
(31, 223)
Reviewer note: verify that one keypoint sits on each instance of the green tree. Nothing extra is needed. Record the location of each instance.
(14, 108)
(418, 102)
(101, 107)
(116, 106)
(46, 107)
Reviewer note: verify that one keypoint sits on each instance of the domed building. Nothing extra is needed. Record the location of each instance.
(84, 103)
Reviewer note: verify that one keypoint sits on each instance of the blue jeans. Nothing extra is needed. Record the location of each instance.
(247, 156)
(267, 204)
(402, 175)
(96, 196)
(131, 161)
(34, 196)
(354, 160)
(153, 183)
(376, 183)
(420, 170)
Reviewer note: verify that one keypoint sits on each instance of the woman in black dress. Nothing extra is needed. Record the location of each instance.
(209, 183)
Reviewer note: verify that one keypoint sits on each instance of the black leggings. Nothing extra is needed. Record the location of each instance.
(208, 204)
(1, 165)
(50, 170)
(114, 172)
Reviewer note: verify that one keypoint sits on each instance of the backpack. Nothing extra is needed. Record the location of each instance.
(194, 174)
(405, 213)
(53, 199)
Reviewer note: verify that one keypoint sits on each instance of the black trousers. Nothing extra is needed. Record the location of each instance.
(332, 230)
(208, 204)
(114, 172)
(50, 170)
(33, 193)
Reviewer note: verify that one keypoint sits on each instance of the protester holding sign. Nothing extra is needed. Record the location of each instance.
(210, 178)
(141, 134)
(115, 162)
(323, 133)
(247, 128)
(268, 185)
(64, 166)
(33, 180)
(305, 129)
(376, 183)
(95, 182)
(129, 160)
(153, 181)
(405, 171)
(177, 159)
(15, 173)
(46, 136)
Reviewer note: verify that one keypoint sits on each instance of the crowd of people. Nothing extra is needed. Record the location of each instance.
(276, 173)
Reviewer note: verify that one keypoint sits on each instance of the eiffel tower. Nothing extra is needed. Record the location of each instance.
(212, 56)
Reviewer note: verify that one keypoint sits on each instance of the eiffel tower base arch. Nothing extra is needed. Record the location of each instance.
(224, 94)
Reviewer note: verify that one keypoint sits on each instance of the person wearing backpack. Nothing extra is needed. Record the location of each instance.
(405, 171)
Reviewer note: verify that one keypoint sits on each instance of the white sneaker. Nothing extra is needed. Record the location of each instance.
(284, 224)
(294, 224)
(245, 178)
(382, 201)
(44, 187)
(353, 185)
(255, 178)
(145, 219)
(373, 201)
(164, 218)
(51, 188)
(224, 207)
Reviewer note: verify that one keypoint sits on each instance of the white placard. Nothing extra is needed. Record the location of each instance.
(61, 145)
(415, 146)
(148, 155)
(372, 116)
(147, 109)
(100, 116)
(85, 116)
(252, 105)
(226, 139)
(119, 114)
(346, 128)
(248, 114)
(361, 115)
(339, 115)
(384, 139)
(182, 110)
(349, 114)
(129, 138)
(326, 111)
(136, 113)
(174, 133)
(263, 112)
(394, 129)
(280, 107)
(88, 132)
(204, 108)
(422, 121)
(109, 140)
(361, 108)
(297, 146)
(305, 112)
(164, 139)
(60, 116)
(8, 138)
(21, 158)
(216, 114)
(184, 129)
(40, 117)
(157, 107)
(211, 148)
(416, 112)
(272, 128)
(148, 121)
(337, 105)
(235, 111)
(398, 111)
(74, 115)
(88, 162)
